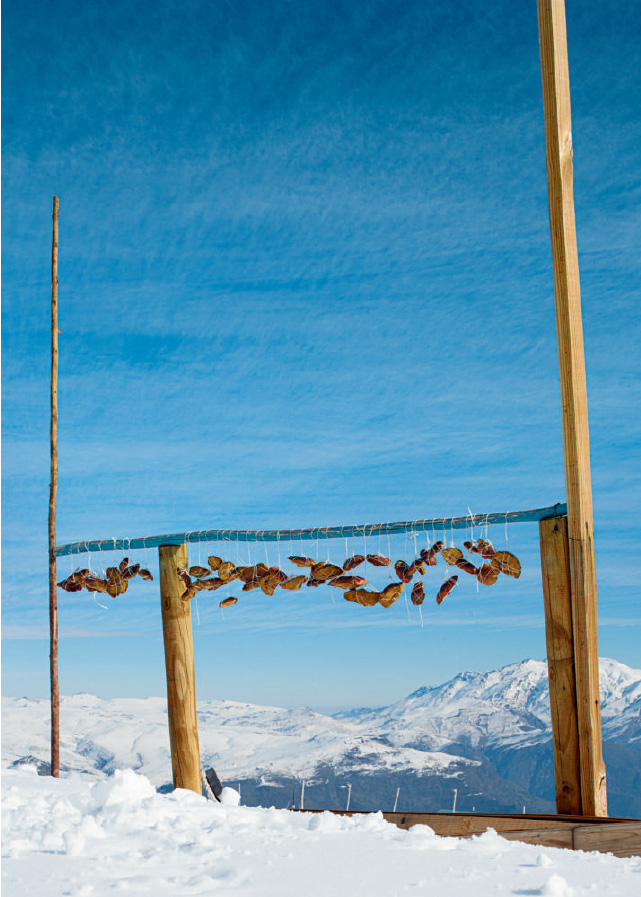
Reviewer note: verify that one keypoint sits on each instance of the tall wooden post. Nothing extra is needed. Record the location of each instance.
(558, 151)
(53, 494)
(179, 664)
(559, 639)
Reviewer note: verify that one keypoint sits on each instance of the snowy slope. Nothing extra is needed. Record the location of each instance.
(472, 707)
(620, 688)
(240, 740)
(75, 837)
(487, 734)
(507, 705)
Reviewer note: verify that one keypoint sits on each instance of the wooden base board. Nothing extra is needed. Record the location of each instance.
(621, 837)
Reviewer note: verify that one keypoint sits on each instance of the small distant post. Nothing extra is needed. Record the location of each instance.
(574, 406)
(179, 665)
(53, 494)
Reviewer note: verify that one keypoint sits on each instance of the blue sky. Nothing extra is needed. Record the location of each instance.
(305, 279)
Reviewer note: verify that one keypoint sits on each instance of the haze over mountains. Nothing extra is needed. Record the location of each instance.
(487, 735)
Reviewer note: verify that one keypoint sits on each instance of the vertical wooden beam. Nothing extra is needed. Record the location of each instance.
(558, 150)
(53, 495)
(179, 664)
(559, 638)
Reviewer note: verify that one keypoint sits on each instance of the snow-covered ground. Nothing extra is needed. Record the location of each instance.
(84, 838)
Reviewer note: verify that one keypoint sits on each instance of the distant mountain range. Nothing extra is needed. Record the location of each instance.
(487, 735)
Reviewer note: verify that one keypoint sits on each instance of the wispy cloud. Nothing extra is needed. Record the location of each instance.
(305, 278)
(41, 633)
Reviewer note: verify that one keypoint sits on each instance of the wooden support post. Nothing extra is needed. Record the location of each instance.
(179, 664)
(559, 638)
(558, 150)
(53, 494)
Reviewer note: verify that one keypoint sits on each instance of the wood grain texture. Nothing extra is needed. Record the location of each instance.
(544, 837)
(567, 293)
(623, 839)
(53, 497)
(179, 665)
(459, 824)
(559, 639)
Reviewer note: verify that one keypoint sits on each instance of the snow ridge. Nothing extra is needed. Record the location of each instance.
(77, 837)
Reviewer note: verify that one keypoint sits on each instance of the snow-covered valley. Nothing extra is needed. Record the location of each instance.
(487, 735)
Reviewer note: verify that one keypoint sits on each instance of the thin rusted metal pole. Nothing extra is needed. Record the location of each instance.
(53, 494)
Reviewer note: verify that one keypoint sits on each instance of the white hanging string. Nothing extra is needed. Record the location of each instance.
(95, 598)
(88, 558)
(471, 524)
(407, 606)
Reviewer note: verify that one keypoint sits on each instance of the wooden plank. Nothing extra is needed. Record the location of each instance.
(558, 150)
(509, 820)
(457, 825)
(559, 639)
(622, 839)
(179, 665)
(545, 837)
(53, 496)
(307, 535)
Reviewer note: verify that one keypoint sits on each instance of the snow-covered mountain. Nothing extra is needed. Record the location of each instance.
(485, 734)
(508, 705)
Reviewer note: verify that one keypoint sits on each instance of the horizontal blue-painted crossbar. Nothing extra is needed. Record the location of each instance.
(311, 535)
